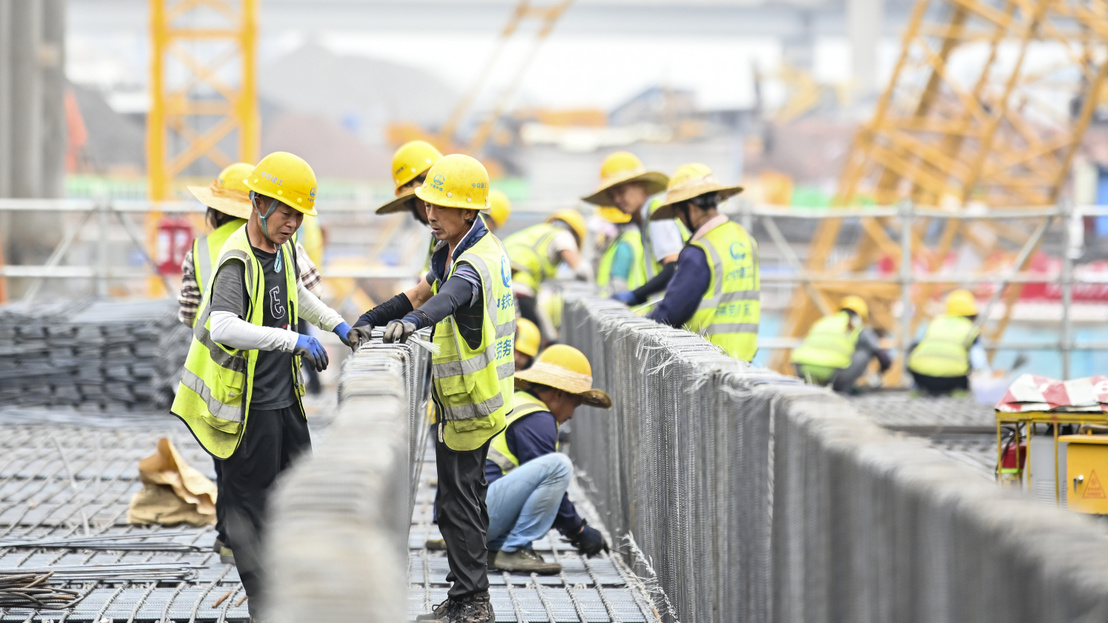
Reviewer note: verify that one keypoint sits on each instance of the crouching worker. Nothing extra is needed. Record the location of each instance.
(839, 347)
(241, 387)
(528, 477)
(941, 362)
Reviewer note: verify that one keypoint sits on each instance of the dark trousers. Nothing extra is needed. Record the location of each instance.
(273, 439)
(314, 385)
(463, 516)
(220, 508)
(940, 385)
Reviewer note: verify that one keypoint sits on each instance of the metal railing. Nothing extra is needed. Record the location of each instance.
(337, 548)
(752, 497)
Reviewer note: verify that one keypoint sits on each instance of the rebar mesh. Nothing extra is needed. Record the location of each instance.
(755, 498)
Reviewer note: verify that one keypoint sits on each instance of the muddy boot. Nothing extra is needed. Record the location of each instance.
(525, 560)
(475, 608)
(438, 613)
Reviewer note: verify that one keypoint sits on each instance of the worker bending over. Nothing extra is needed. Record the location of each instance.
(538, 250)
(715, 290)
(839, 347)
(467, 298)
(240, 391)
(410, 164)
(527, 343)
(645, 249)
(941, 362)
(528, 477)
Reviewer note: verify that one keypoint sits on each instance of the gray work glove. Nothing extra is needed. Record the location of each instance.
(359, 335)
(398, 331)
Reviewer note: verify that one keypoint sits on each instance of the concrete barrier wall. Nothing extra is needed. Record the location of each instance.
(756, 498)
(338, 543)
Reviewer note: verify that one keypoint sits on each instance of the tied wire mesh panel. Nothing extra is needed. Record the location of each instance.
(339, 543)
(748, 496)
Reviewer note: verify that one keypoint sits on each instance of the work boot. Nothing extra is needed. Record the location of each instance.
(435, 545)
(218, 545)
(525, 560)
(438, 613)
(475, 608)
(226, 556)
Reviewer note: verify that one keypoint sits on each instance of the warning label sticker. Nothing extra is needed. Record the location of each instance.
(1093, 489)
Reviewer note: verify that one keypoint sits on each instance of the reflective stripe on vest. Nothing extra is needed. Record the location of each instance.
(529, 253)
(499, 453)
(829, 343)
(478, 382)
(217, 382)
(632, 237)
(944, 349)
(730, 311)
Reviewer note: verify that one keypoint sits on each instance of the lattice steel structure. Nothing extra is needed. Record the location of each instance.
(202, 86)
(986, 107)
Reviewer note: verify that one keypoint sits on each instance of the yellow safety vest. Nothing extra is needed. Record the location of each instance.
(473, 386)
(633, 238)
(944, 349)
(729, 313)
(499, 453)
(828, 343)
(651, 265)
(205, 252)
(217, 382)
(529, 252)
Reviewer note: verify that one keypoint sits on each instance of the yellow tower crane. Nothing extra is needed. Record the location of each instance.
(971, 114)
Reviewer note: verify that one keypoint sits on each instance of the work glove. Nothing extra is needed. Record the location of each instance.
(309, 348)
(359, 335)
(589, 542)
(343, 331)
(398, 331)
(627, 298)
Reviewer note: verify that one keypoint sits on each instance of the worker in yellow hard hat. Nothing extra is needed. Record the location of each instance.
(239, 392)
(538, 250)
(718, 292)
(500, 208)
(410, 164)
(527, 343)
(646, 248)
(839, 348)
(527, 476)
(942, 361)
(467, 298)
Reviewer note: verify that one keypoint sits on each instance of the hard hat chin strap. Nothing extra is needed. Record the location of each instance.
(265, 227)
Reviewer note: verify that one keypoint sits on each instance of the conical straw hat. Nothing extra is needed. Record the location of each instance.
(691, 180)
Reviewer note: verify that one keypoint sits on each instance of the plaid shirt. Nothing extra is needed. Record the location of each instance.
(188, 301)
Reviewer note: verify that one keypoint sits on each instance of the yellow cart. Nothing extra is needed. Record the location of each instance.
(1030, 418)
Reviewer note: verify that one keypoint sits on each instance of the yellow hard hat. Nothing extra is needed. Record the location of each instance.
(286, 178)
(622, 167)
(856, 305)
(527, 337)
(228, 193)
(565, 368)
(612, 214)
(411, 159)
(961, 303)
(499, 207)
(456, 181)
(575, 221)
(689, 181)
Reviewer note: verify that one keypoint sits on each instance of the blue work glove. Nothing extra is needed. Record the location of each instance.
(589, 542)
(310, 348)
(627, 298)
(398, 331)
(343, 331)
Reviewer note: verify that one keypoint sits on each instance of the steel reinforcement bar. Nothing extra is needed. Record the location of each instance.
(751, 497)
(338, 547)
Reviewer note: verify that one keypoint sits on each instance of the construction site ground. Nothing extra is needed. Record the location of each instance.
(66, 474)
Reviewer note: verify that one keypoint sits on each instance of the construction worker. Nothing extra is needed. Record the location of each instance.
(839, 347)
(645, 248)
(527, 475)
(716, 292)
(941, 362)
(527, 343)
(410, 164)
(240, 390)
(536, 253)
(500, 208)
(467, 298)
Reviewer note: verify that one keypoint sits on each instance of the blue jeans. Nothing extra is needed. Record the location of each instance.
(523, 504)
